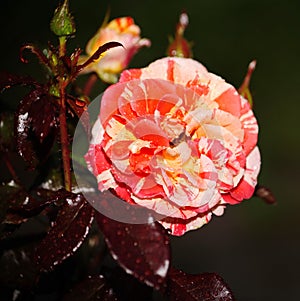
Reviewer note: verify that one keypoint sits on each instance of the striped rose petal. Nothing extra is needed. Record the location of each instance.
(178, 140)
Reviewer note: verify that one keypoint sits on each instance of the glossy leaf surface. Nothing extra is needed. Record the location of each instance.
(35, 123)
(141, 249)
(66, 234)
(200, 287)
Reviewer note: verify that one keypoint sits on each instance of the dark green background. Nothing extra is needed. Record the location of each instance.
(255, 247)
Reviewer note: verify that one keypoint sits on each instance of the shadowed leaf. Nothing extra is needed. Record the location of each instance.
(141, 249)
(201, 287)
(66, 234)
(23, 205)
(17, 269)
(15, 215)
(127, 287)
(11, 195)
(92, 289)
(8, 80)
(6, 132)
(7, 192)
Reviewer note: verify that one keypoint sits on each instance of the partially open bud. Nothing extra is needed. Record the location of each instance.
(62, 23)
(179, 46)
(122, 30)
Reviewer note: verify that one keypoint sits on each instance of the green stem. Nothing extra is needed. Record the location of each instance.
(62, 45)
(64, 139)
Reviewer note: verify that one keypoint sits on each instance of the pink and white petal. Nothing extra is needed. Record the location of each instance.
(164, 207)
(147, 96)
(97, 133)
(246, 187)
(123, 192)
(97, 163)
(230, 122)
(178, 70)
(220, 120)
(123, 173)
(146, 129)
(210, 202)
(250, 126)
(229, 101)
(219, 210)
(213, 131)
(110, 102)
(228, 199)
(174, 227)
(178, 227)
(150, 189)
(130, 74)
(96, 160)
(90, 159)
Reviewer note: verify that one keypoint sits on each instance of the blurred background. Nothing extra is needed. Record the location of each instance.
(255, 247)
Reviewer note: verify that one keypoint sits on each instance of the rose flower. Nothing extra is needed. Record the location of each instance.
(176, 139)
(112, 62)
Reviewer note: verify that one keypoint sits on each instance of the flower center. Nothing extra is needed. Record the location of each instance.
(183, 137)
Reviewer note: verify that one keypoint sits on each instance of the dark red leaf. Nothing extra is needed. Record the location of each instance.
(66, 234)
(35, 126)
(265, 194)
(92, 289)
(8, 80)
(43, 116)
(142, 250)
(23, 126)
(15, 215)
(97, 54)
(200, 287)
(17, 204)
(7, 192)
(23, 205)
(24, 145)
